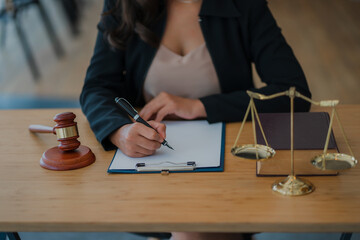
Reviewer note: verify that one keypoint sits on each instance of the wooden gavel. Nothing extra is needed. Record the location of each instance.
(69, 154)
(65, 130)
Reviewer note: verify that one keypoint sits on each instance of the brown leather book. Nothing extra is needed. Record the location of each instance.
(310, 130)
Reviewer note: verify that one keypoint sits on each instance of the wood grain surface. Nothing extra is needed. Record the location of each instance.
(90, 199)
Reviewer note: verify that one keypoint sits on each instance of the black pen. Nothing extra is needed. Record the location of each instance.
(124, 104)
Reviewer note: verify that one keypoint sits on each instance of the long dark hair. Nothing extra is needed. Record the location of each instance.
(134, 16)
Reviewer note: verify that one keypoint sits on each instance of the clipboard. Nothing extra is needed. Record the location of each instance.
(199, 147)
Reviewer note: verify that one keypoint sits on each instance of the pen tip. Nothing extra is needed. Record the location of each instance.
(165, 143)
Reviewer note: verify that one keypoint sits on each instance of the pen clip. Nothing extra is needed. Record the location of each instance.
(126, 101)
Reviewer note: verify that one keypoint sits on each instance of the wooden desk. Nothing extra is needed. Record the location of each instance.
(90, 199)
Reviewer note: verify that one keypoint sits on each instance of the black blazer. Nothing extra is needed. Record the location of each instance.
(237, 33)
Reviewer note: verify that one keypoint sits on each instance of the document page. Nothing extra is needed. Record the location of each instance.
(193, 141)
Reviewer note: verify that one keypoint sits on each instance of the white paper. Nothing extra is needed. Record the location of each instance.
(193, 141)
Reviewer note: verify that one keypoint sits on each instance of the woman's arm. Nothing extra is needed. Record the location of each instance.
(275, 64)
(104, 81)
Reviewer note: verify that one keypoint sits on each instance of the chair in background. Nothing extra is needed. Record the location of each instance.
(72, 12)
(11, 10)
(10, 236)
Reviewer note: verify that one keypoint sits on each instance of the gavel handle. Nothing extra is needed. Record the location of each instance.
(41, 129)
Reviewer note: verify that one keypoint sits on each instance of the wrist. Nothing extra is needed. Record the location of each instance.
(200, 111)
(115, 136)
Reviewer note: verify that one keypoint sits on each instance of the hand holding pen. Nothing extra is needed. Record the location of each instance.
(138, 139)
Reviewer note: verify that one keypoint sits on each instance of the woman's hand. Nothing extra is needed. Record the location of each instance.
(138, 140)
(166, 104)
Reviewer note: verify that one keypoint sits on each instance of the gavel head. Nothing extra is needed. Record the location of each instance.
(66, 131)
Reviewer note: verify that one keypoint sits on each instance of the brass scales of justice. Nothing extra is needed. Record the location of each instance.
(293, 185)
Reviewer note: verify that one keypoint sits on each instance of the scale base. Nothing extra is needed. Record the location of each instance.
(334, 161)
(58, 160)
(293, 186)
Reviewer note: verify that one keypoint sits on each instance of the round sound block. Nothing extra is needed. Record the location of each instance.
(58, 160)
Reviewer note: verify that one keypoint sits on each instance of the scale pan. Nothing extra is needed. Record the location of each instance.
(248, 151)
(334, 161)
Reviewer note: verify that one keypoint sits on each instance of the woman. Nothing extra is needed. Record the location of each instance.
(186, 59)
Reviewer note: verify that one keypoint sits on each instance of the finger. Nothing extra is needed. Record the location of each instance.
(143, 112)
(172, 117)
(148, 144)
(152, 107)
(136, 155)
(132, 151)
(134, 147)
(144, 151)
(150, 110)
(159, 127)
(163, 112)
(147, 132)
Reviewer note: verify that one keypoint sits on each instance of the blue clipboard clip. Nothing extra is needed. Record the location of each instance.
(165, 167)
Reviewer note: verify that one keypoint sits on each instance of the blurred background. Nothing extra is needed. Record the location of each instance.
(46, 46)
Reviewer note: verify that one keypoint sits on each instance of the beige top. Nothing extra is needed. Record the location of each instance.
(190, 76)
